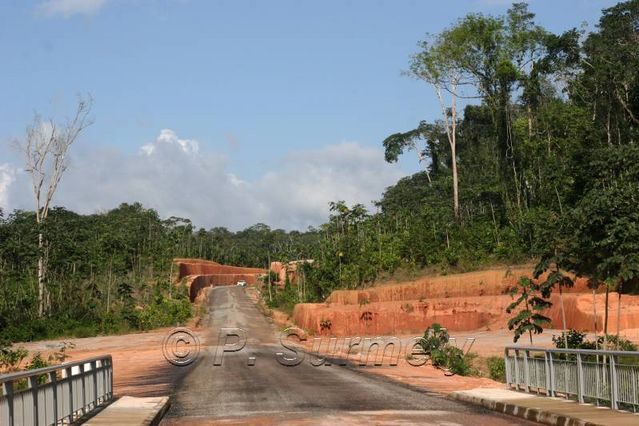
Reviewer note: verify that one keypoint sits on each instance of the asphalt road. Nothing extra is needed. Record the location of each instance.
(270, 393)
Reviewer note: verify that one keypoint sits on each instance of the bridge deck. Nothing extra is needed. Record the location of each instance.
(130, 411)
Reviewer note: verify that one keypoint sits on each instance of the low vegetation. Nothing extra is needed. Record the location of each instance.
(107, 273)
(496, 368)
(436, 345)
(577, 340)
(11, 359)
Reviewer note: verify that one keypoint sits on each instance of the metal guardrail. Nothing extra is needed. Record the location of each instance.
(607, 378)
(56, 395)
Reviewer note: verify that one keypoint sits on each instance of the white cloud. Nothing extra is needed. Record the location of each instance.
(7, 176)
(173, 176)
(68, 8)
(297, 194)
(169, 138)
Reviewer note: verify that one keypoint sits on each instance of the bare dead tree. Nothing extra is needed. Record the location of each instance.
(45, 153)
(450, 124)
(438, 66)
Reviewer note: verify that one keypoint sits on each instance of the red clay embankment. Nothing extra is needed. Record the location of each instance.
(197, 282)
(483, 283)
(461, 302)
(200, 274)
(188, 267)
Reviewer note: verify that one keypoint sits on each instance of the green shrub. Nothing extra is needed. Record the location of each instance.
(617, 343)
(10, 358)
(435, 338)
(163, 313)
(436, 344)
(497, 368)
(577, 340)
(458, 363)
(284, 299)
(38, 362)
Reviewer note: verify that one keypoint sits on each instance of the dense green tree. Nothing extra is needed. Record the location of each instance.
(526, 307)
(596, 233)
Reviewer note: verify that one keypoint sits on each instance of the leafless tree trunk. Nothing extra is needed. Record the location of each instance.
(453, 152)
(450, 121)
(45, 151)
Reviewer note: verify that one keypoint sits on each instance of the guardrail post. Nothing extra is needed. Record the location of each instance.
(109, 384)
(105, 382)
(53, 377)
(68, 371)
(7, 388)
(552, 375)
(95, 383)
(507, 367)
(547, 371)
(614, 397)
(580, 379)
(526, 372)
(33, 382)
(598, 385)
(634, 391)
(516, 359)
(84, 389)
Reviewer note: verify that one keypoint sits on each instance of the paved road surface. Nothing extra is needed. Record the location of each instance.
(269, 392)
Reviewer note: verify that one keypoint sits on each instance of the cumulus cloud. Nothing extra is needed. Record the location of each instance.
(311, 179)
(174, 176)
(169, 138)
(7, 176)
(68, 8)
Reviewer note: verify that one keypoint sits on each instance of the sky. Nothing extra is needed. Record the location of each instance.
(228, 112)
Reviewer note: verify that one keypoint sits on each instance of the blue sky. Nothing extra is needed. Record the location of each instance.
(258, 85)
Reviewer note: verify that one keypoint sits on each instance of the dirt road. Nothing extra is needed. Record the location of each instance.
(268, 392)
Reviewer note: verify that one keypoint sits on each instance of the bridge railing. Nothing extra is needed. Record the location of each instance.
(56, 395)
(603, 378)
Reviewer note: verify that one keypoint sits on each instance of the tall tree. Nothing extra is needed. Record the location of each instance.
(501, 55)
(609, 84)
(436, 65)
(45, 151)
(600, 232)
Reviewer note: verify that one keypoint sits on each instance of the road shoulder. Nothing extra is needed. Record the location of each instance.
(545, 410)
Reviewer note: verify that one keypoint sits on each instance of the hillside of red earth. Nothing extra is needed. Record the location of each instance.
(199, 274)
(460, 302)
